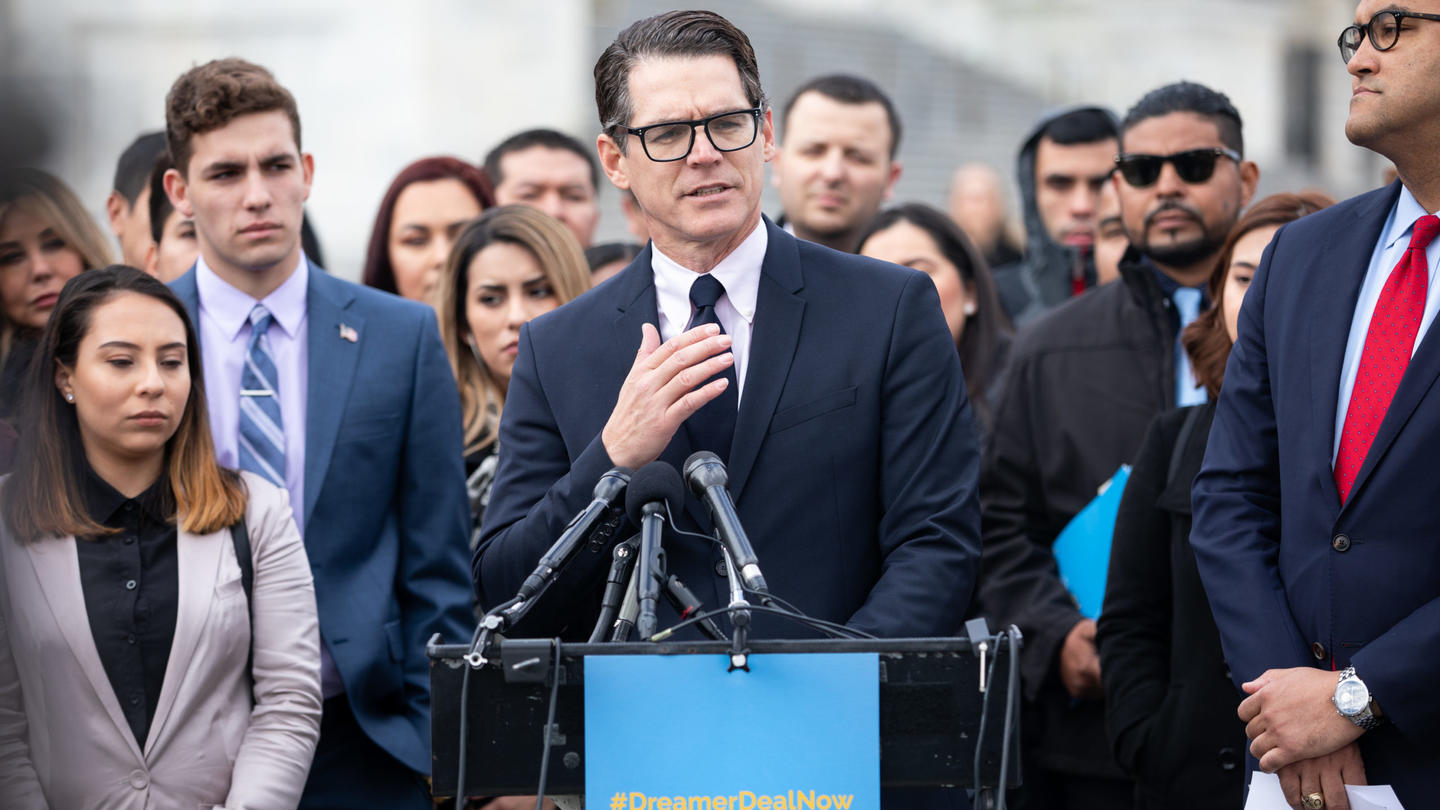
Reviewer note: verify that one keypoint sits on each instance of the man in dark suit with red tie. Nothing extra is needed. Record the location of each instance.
(1316, 526)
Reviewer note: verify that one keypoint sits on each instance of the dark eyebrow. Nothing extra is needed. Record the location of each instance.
(125, 344)
(224, 166)
(526, 283)
(276, 158)
(9, 245)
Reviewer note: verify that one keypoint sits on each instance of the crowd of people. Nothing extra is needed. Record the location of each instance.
(243, 493)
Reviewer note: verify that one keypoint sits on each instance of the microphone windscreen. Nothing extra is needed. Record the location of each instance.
(656, 481)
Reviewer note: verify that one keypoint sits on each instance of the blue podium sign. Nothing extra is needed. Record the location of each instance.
(678, 732)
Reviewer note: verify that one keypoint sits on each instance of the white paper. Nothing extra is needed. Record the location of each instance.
(1265, 794)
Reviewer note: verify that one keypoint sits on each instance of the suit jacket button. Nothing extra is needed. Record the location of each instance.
(139, 779)
(1318, 650)
(719, 568)
(1341, 543)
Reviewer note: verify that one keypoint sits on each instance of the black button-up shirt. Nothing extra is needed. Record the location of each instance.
(131, 581)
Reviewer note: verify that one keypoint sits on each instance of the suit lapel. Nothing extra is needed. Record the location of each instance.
(57, 568)
(1346, 255)
(199, 565)
(636, 307)
(778, 315)
(332, 359)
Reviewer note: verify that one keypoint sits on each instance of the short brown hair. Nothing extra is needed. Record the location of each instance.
(556, 251)
(673, 34)
(44, 498)
(1205, 339)
(208, 97)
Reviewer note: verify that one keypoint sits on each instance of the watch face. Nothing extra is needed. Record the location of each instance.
(1351, 698)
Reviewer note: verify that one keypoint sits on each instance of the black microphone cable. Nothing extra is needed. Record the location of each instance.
(549, 724)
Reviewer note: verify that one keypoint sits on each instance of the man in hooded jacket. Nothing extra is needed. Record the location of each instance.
(1062, 166)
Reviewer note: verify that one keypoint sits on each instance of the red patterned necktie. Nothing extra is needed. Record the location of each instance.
(1388, 346)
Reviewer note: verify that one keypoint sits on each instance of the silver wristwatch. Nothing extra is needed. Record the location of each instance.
(1352, 700)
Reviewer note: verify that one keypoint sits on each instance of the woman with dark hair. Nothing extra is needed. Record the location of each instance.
(46, 239)
(919, 236)
(510, 265)
(421, 213)
(1169, 703)
(159, 645)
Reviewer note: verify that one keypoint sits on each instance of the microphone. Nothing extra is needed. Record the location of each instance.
(607, 491)
(706, 474)
(654, 489)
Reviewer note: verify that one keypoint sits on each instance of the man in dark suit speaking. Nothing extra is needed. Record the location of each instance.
(1316, 530)
(837, 402)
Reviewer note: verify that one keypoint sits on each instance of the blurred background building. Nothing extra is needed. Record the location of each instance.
(380, 83)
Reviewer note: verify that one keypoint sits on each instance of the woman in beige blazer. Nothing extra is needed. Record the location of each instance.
(126, 672)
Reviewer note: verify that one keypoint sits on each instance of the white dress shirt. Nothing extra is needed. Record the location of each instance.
(739, 273)
(1394, 241)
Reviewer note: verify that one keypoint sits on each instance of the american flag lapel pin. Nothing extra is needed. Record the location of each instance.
(349, 333)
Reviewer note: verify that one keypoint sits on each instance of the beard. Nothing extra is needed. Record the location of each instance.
(1186, 253)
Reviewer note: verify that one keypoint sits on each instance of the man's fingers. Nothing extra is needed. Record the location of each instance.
(1273, 759)
(669, 348)
(649, 339)
(692, 376)
(1290, 785)
(687, 405)
(1249, 709)
(1352, 767)
(1255, 727)
(1332, 785)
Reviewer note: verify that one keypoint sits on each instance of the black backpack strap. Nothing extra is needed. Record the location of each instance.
(240, 537)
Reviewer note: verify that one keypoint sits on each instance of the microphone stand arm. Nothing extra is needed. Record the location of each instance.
(739, 611)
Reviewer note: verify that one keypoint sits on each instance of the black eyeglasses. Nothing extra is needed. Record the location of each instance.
(1383, 30)
(1194, 166)
(673, 140)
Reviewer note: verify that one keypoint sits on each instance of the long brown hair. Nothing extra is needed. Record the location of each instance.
(1205, 339)
(43, 195)
(43, 497)
(558, 254)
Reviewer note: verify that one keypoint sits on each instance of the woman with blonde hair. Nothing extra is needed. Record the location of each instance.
(46, 239)
(159, 644)
(510, 265)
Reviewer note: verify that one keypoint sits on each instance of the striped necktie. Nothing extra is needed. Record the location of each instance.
(262, 432)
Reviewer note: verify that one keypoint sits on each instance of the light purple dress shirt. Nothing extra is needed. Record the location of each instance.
(224, 336)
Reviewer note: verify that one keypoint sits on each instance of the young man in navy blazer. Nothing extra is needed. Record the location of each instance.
(346, 399)
(1316, 530)
(853, 460)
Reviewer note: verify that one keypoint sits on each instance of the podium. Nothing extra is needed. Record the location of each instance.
(930, 705)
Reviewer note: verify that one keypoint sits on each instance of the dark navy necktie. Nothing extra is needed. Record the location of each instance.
(713, 426)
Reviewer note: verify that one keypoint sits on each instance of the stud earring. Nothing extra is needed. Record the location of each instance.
(69, 397)
(970, 308)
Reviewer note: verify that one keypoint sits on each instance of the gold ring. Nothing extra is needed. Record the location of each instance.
(1313, 801)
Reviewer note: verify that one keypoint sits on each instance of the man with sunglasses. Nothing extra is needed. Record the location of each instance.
(834, 391)
(1085, 381)
(1316, 529)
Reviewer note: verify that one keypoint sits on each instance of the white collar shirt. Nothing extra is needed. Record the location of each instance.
(739, 272)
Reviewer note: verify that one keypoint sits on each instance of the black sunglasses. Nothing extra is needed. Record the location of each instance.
(1193, 166)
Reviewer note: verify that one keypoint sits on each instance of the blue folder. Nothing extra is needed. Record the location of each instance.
(1083, 548)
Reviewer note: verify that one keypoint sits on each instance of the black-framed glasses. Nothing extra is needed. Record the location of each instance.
(1383, 30)
(1194, 166)
(673, 140)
